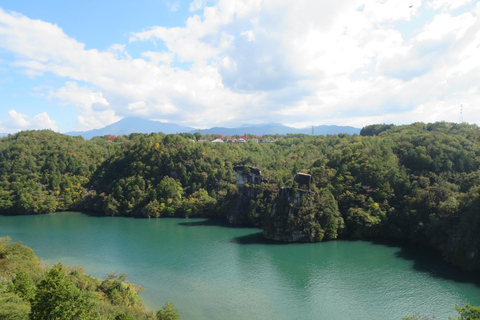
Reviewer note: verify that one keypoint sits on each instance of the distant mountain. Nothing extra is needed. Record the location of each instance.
(249, 125)
(333, 129)
(132, 125)
(277, 128)
(137, 125)
(270, 128)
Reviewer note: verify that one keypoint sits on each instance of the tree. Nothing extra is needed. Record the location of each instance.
(58, 298)
(12, 307)
(124, 316)
(118, 291)
(468, 312)
(168, 312)
(23, 286)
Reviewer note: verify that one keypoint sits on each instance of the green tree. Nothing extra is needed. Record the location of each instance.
(468, 312)
(124, 316)
(13, 307)
(58, 298)
(23, 286)
(168, 312)
(118, 291)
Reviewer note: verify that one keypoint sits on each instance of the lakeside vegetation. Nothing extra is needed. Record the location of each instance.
(416, 182)
(30, 291)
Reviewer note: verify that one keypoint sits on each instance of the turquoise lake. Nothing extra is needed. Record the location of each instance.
(212, 271)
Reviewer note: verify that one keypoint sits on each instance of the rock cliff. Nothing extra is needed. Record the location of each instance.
(244, 206)
(290, 219)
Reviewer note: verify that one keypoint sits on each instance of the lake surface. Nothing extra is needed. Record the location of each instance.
(212, 271)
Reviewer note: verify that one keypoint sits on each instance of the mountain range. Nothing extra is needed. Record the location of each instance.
(137, 125)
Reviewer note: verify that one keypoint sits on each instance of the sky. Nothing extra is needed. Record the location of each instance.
(81, 65)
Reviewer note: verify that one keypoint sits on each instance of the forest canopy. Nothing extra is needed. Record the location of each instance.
(418, 182)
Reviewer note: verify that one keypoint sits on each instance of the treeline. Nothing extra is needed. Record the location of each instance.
(30, 291)
(43, 171)
(416, 182)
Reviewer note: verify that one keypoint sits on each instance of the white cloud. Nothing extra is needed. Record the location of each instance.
(43, 121)
(174, 6)
(249, 34)
(391, 10)
(445, 27)
(267, 60)
(83, 97)
(197, 5)
(447, 5)
(97, 119)
(118, 50)
(159, 57)
(16, 121)
(92, 105)
(139, 107)
(186, 95)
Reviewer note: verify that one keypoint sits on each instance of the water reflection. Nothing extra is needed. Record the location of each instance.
(212, 271)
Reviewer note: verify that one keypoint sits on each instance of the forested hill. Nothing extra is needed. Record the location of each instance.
(417, 182)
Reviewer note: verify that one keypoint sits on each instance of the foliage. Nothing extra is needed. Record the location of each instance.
(468, 312)
(23, 286)
(42, 171)
(29, 291)
(57, 297)
(12, 307)
(416, 182)
(168, 312)
(118, 291)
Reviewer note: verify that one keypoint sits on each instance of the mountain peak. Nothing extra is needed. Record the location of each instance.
(130, 125)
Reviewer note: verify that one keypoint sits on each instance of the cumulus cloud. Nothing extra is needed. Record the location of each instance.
(193, 95)
(285, 61)
(447, 5)
(16, 121)
(94, 108)
(97, 119)
(43, 121)
(159, 57)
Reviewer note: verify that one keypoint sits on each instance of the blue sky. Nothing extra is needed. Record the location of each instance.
(80, 65)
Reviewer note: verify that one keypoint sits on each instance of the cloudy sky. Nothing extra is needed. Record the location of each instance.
(80, 65)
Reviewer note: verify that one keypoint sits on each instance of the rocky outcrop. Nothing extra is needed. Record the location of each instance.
(462, 252)
(289, 221)
(249, 181)
(303, 180)
(247, 175)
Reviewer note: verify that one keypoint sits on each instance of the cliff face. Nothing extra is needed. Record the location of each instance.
(301, 215)
(247, 175)
(245, 205)
(291, 218)
(462, 251)
(289, 214)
